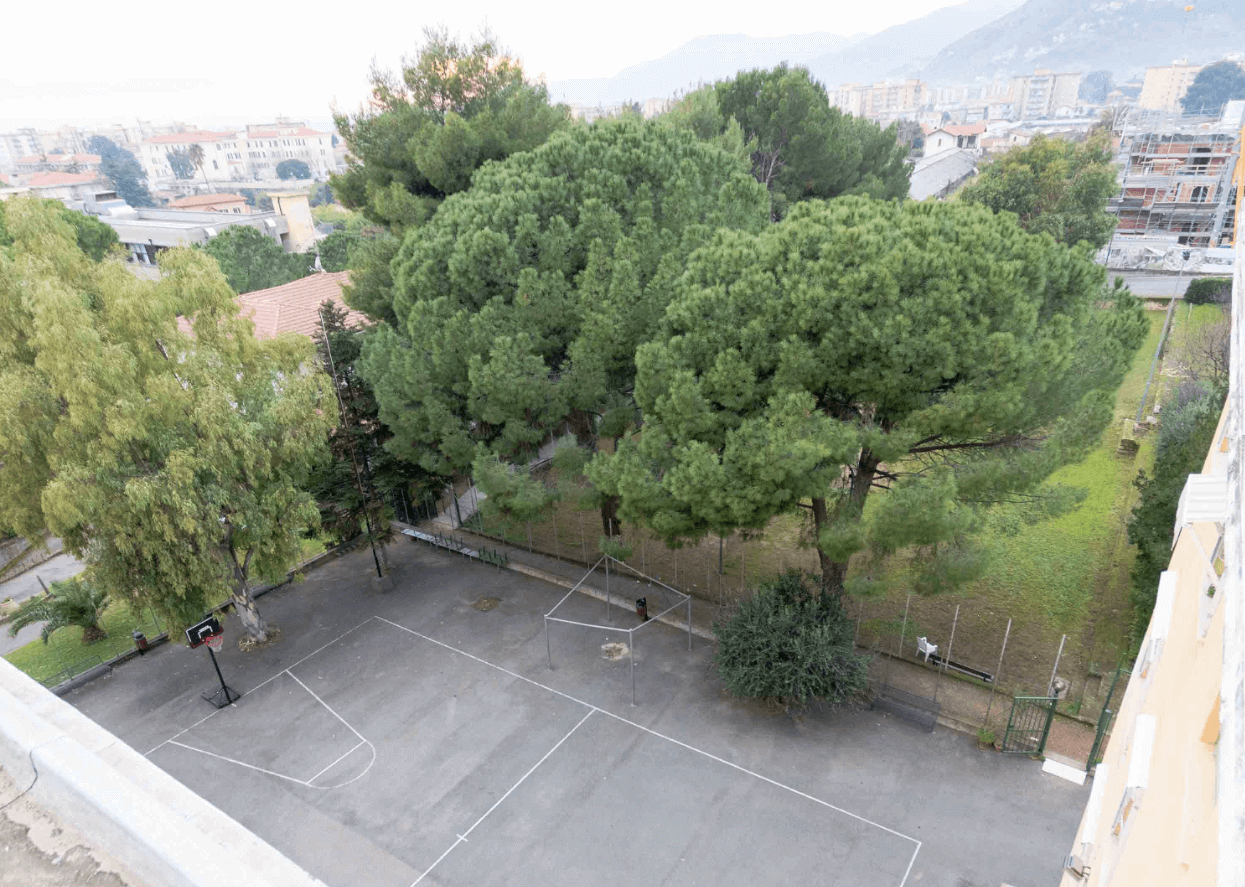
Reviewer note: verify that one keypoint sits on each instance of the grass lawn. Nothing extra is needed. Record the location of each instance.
(65, 655)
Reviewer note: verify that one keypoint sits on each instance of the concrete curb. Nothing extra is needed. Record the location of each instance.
(154, 828)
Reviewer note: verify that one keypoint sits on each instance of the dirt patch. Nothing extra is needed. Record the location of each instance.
(614, 651)
(485, 604)
(248, 644)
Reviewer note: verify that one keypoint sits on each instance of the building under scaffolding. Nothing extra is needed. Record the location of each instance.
(1177, 201)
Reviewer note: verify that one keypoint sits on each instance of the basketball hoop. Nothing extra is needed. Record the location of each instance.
(215, 642)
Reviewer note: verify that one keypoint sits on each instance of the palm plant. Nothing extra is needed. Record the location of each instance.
(71, 602)
(197, 158)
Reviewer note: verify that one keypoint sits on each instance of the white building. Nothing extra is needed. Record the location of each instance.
(242, 156)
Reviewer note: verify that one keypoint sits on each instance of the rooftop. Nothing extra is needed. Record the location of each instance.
(48, 179)
(295, 307)
(205, 200)
(187, 138)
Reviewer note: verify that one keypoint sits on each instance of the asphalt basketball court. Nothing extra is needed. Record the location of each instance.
(427, 741)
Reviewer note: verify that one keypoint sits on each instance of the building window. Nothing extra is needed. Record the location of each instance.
(214, 165)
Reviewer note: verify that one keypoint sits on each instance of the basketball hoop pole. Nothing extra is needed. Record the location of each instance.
(225, 696)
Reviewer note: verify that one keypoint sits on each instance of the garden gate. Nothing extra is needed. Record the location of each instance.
(1029, 725)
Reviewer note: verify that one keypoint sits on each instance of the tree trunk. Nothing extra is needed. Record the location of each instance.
(244, 605)
(93, 633)
(609, 516)
(243, 601)
(851, 507)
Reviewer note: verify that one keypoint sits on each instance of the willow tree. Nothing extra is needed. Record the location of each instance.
(519, 306)
(171, 460)
(933, 353)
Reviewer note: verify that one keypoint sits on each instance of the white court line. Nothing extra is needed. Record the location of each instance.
(463, 837)
(270, 680)
(911, 862)
(212, 754)
(325, 704)
(335, 763)
(692, 748)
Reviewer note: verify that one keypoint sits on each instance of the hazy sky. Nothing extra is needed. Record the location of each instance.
(227, 62)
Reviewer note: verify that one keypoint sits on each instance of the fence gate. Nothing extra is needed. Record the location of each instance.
(1029, 725)
(1104, 721)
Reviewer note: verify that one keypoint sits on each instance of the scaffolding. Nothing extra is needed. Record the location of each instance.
(1177, 189)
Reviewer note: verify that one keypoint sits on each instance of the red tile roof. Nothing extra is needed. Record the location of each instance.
(47, 179)
(186, 138)
(972, 129)
(60, 158)
(295, 307)
(206, 200)
(283, 133)
(292, 307)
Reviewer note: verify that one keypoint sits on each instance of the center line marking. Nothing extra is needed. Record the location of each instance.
(462, 839)
(652, 732)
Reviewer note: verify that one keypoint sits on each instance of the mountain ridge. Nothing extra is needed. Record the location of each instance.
(1121, 36)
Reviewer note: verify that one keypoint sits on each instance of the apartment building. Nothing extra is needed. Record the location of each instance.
(1164, 87)
(1043, 93)
(1167, 806)
(885, 101)
(245, 155)
(57, 163)
(1176, 188)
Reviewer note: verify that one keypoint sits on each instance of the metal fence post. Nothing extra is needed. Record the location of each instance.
(997, 671)
(1050, 688)
(938, 679)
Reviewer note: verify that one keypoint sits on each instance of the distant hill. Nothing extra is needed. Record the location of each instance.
(703, 60)
(901, 50)
(1121, 36)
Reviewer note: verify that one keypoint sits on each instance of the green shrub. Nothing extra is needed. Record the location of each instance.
(1189, 428)
(1209, 290)
(792, 644)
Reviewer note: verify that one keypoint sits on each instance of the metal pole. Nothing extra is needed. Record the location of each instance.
(689, 622)
(583, 539)
(223, 688)
(631, 637)
(950, 644)
(886, 676)
(903, 629)
(607, 588)
(1051, 686)
(548, 649)
(1171, 307)
(643, 558)
(998, 670)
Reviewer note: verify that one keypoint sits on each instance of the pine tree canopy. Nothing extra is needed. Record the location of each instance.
(935, 352)
(520, 304)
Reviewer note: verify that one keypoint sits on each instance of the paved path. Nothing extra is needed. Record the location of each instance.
(26, 585)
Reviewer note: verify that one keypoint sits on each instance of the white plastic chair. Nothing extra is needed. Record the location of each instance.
(925, 648)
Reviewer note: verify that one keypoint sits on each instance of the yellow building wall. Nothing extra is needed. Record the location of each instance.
(1169, 835)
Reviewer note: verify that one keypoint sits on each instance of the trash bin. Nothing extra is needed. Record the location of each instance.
(140, 642)
(641, 608)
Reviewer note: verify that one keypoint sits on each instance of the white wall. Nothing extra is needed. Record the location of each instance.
(160, 832)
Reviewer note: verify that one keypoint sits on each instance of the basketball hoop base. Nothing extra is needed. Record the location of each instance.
(222, 697)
